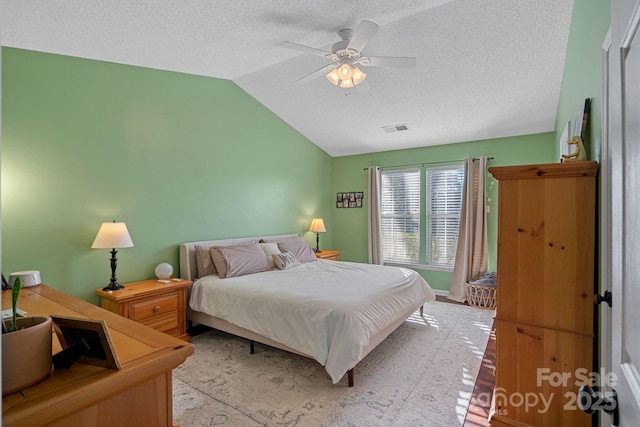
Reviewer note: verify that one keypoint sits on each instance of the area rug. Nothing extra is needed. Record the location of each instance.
(422, 375)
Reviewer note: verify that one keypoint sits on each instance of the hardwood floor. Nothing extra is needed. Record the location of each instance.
(480, 405)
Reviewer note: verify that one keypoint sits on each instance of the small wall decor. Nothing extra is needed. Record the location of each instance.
(352, 199)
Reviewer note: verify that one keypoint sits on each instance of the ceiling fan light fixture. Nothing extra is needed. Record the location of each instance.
(333, 77)
(346, 76)
(345, 71)
(358, 76)
(346, 84)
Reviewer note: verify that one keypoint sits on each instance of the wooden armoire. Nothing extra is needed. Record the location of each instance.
(545, 306)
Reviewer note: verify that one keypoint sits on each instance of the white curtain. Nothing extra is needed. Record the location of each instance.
(375, 227)
(471, 252)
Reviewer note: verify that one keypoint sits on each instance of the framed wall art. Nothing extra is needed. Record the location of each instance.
(350, 199)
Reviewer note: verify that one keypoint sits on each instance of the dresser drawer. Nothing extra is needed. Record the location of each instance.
(149, 309)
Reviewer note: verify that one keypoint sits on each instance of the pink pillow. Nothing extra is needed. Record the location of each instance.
(242, 260)
(204, 262)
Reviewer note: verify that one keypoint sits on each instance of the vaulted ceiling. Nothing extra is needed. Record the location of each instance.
(485, 68)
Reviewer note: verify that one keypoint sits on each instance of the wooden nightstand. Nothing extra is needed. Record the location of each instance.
(161, 306)
(327, 254)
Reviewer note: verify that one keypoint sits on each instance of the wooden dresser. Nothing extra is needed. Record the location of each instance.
(90, 396)
(544, 315)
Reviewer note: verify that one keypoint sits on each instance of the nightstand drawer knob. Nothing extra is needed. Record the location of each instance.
(156, 308)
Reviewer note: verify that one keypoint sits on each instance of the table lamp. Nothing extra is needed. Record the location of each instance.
(317, 226)
(113, 235)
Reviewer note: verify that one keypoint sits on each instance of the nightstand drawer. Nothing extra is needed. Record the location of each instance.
(167, 323)
(157, 307)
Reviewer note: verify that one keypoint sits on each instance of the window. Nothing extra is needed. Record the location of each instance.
(402, 217)
(444, 191)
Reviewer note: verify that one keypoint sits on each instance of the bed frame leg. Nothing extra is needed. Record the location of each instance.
(421, 310)
(350, 377)
(252, 347)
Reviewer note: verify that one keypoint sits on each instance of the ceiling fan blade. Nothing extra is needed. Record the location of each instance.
(362, 35)
(319, 72)
(388, 61)
(307, 49)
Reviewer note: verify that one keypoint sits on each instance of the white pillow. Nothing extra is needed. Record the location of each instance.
(270, 249)
(285, 260)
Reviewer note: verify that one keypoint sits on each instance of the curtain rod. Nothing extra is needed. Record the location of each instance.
(429, 163)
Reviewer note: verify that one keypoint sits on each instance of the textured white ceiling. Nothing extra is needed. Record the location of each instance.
(486, 68)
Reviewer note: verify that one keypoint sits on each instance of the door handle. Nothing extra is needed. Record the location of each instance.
(607, 297)
(589, 401)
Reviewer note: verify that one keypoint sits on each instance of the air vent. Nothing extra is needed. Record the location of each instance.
(395, 128)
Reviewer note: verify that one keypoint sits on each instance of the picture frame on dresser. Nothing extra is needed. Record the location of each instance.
(94, 333)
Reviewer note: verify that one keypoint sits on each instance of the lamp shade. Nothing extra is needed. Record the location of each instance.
(112, 235)
(317, 225)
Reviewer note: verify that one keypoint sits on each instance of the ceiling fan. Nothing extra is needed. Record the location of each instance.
(346, 55)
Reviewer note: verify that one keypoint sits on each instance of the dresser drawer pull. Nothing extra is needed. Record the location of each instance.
(156, 308)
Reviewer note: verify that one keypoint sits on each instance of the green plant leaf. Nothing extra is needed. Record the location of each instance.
(15, 292)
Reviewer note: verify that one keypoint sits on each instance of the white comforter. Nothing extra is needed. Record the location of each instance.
(326, 309)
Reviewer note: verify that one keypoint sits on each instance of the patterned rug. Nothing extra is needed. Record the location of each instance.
(421, 375)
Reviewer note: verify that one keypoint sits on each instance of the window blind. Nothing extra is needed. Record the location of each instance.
(400, 216)
(444, 189)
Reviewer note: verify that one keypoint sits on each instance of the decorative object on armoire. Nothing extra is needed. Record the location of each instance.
(163, 272)
(26, 348)
(113, 235)
(577, 152)
(580, 124)
(544, 322)
(564, 140)
(317, 226)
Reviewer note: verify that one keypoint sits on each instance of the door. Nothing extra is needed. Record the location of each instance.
(624, 141)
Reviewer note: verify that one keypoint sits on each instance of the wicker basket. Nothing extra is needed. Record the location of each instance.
(481, 296)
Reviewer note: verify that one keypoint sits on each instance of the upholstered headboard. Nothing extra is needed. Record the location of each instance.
(188, 268)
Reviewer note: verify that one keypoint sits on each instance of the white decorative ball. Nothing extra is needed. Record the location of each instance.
(164, 271)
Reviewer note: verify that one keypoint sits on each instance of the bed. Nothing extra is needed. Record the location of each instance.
(335, 312)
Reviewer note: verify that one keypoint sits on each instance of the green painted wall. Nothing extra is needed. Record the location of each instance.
(177, 157)
(583, 71)
(181, 157)
(350, 225)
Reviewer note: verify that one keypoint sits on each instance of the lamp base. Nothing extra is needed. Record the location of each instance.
(113, 282)
(316, 250)
(113, 287)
